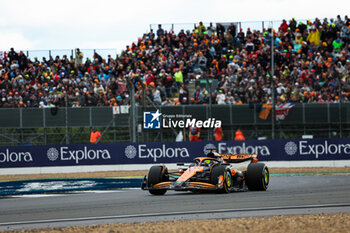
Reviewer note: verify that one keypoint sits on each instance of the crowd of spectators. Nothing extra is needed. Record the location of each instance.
(311, 64)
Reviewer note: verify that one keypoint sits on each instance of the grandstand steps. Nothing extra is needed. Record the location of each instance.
(191, 88)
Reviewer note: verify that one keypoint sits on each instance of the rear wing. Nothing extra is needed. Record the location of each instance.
(238, 158)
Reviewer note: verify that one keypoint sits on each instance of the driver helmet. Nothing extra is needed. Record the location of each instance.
(209, 162)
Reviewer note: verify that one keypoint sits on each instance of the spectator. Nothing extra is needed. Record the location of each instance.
(178, 77)
(201, 30)
(204, 95)
(345, 33)
(160, 30)
(183, 94)
(314, 36)
(167, 102)
(232, 28)
(98, 88)
(218, 134)
(202, 61)
(283, 27)
(197, 95)
(156, 96)
(292, 24)
(301, 27)
(337, 44)
(220, 30)
(229, 98)
(221, 98)
(239, 135)
(229, 38)
(78, 57)
(211, 29)
(94, 136)
(13, 56)
(194, 133)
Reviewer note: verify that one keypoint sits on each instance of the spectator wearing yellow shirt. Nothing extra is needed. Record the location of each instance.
(314, 36)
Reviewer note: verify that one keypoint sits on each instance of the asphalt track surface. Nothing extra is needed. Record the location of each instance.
(287, 195)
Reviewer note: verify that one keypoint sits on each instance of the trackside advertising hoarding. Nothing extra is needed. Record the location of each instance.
(171, 152)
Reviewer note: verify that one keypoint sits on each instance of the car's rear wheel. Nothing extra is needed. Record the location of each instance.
(221, 170)
(157, 174)
(257, 177)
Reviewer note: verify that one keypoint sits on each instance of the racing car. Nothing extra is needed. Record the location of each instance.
(213, 172)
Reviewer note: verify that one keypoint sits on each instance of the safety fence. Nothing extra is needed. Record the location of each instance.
(252, 25)
(59, 117)
(331, 113)
(42, 126)
(88, 53)
(171, 152)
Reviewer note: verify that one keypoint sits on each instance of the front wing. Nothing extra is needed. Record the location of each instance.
(182, 186)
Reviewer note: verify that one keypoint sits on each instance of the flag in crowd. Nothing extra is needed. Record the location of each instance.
(265, 111)
(282, 110)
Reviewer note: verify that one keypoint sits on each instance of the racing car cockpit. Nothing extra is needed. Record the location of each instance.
(205, 162)
(208, 162)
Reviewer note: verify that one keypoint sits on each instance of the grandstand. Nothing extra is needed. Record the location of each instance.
(311, 65)
(217, 64)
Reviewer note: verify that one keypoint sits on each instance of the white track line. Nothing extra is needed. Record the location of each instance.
(101, 191)
(67, 194)
(39, 195)
(175, 213)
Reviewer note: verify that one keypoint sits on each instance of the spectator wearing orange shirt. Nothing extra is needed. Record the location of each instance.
(94, 136)
(239, 136)
(218, 134)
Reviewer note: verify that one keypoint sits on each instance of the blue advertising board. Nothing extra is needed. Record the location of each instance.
(171, 152)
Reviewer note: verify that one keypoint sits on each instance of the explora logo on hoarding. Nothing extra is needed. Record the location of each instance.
(263, 150)
(151, 120)
(76, 155)
(13, 157)
(325, 148)
(143, 152)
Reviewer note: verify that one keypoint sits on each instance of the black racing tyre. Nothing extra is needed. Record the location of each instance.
(257, 177)
(224, 171)
(155, 176)
(227, 180)
(217, 171)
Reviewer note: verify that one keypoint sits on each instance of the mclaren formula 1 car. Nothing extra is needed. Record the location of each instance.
(214, 172)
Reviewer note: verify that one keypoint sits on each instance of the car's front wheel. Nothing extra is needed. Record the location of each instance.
(222, 170)
(156, 174)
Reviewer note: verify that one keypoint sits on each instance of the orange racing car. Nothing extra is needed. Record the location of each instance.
(214, 172)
